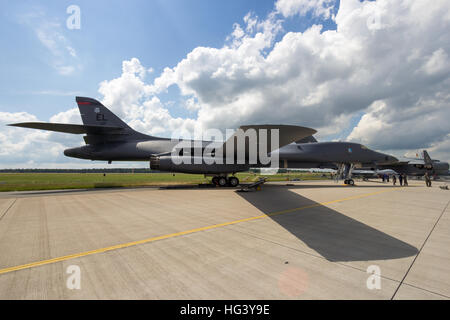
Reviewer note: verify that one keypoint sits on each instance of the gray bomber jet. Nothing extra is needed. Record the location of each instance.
(418, 166)
(342, 156)
(108, 138)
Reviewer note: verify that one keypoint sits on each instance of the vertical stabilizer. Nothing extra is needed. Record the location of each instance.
(427, 158)
(94, 113)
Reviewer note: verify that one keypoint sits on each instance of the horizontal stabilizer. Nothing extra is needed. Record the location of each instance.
(69, 128)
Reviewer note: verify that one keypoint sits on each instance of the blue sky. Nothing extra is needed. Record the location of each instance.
(159, 32)
(344, 68)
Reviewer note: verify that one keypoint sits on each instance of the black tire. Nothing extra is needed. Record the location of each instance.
(345, 181)
(233, 181)
(351, 182)
(215, 181)
(222, 181)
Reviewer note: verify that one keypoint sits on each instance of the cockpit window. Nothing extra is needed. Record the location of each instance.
(363, 147)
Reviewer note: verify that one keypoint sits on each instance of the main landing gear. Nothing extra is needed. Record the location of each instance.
(222, 181)
(349, 182)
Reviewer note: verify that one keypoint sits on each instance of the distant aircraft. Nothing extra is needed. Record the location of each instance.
(365, 174)
(418, 166)
(342, 156)
(108, 138)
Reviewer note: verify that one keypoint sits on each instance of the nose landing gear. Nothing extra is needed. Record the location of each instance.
(345, 171)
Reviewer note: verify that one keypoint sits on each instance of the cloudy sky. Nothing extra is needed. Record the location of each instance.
(374, 72)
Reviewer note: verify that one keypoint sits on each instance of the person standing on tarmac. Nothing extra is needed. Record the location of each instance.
(400, 179)
(394, 180)
(405, 180)
(427, 179)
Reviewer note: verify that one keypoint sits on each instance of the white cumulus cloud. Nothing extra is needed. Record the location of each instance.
(386, 63)
(319, 8)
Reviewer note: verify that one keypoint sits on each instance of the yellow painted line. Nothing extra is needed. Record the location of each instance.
(182, 233)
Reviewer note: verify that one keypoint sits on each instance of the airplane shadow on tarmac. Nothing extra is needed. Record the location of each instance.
(333, 235)
(332, 185)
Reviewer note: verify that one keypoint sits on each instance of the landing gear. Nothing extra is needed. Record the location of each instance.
(223, 181)
(350, 182)
(345, 171)
(233, 181)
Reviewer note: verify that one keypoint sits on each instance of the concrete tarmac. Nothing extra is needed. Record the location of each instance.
(308, 240)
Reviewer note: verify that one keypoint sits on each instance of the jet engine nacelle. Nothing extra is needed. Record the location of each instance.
(189, 164)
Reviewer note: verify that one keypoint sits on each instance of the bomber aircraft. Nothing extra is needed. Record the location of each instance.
(418, 166)
(108, 138)
(343, 156)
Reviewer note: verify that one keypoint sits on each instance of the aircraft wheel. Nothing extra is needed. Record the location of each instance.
(222, 181)
(215, 180)
(345, 181)
(351, 182)
(233, 181)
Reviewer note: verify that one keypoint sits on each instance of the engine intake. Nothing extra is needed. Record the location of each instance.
(194, 165)
(154, 163)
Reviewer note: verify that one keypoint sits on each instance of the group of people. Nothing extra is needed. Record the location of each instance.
(402, 179)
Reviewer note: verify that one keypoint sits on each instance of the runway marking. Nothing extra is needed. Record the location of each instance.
(6, 211)
(177, 234)
(420, 250)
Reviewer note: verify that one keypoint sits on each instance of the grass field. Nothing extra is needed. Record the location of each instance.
(52, 181)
